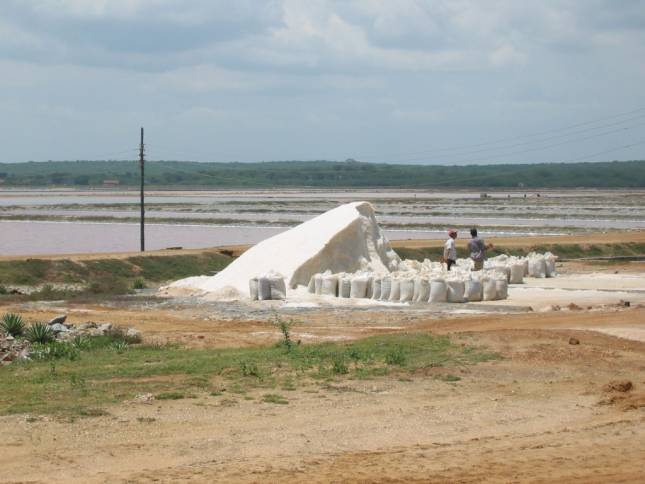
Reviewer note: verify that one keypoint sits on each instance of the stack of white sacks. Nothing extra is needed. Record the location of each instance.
(428, 281)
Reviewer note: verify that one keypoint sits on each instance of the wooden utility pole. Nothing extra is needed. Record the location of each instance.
(141, 162)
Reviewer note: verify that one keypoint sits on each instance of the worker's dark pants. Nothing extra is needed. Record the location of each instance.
(450, 263)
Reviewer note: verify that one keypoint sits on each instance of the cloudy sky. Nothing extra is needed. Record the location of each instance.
(419, 81)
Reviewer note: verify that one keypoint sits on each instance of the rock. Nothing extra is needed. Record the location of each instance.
(574, 341)
(105, 327)
(59, 328)
(618, 386)
(58, 320)
(9, 338)
(88, 325)
(574, 307)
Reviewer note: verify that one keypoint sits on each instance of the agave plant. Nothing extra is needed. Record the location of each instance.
(13, 324)
(39, 333)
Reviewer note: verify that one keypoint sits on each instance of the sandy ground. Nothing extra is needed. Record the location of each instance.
(542, 413)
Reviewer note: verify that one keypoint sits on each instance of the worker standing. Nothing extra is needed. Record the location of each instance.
(477, 248)
(450, 249)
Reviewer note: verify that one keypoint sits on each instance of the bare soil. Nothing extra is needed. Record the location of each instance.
(547, 410)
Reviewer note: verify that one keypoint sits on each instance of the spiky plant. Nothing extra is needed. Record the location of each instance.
(39, 333)
(13, 324)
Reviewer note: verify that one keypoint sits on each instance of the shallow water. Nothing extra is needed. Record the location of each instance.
(212, 218)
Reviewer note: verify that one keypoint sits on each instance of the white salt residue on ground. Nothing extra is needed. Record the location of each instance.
(635, 334)
(345, 239)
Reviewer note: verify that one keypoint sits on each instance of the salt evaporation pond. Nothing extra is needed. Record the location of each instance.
(196, 219)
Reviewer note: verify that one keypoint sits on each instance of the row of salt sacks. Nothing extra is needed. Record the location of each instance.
(494, 288)
(344, 286)
(267, 287)
(473, 290)
(358, 289)
(406, 289)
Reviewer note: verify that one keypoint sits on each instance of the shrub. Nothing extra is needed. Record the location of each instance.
(339, 366)
(119, 346)
(117, 333)
(39, 333)
(139, 283)
(395, 356)
(13, 324)
(3, 290)
(55, 350)
(249, 369)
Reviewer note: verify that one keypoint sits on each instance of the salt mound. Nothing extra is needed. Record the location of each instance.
(344, 239)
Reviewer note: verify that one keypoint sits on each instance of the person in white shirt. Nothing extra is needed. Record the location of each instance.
(450, 249)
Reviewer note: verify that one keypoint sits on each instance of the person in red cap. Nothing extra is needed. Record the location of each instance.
(450, 249)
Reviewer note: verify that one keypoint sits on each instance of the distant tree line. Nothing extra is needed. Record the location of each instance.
(188, 174)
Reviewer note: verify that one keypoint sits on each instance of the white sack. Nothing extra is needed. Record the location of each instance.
(421, 289)
(517, 273)
(359, 287)
(386, 287)
(277, 287)
(473, 290)
(455, 291)
(253, 289)
(344, 287)
(438, 291)
(318, 278)
(395, 290)
(264, 289)
(376, 288)
(537, 267)
(329, 286)
(501, 288)
(311, 287)
(489, 289)
(406, 290)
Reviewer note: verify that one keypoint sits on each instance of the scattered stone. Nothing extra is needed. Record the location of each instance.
(16, 292)
(146, 398)
(58, 320)
(574, 307)
(574, 341)
(88, 325)
(105, 327)
(618, 386)
(59, 328)
(133, 333)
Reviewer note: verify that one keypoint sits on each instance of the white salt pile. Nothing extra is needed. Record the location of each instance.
(344, 254)
(345, 239)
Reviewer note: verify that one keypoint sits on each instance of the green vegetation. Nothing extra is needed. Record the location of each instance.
(105, 276)
(12, 324)
(324, 174)
(564, 251)
(79, 382)
(39, 333)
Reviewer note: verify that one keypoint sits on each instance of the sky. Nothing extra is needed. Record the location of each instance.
(405, 81)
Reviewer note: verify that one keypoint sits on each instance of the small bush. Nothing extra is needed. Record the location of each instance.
(39, 333)
(250, 369)
(139, 283)
(170, 396)
(274, 398)
(119, 346)
(3, 290)
(55, 350)
(13, 324)
(395, 356)
(117, 333)
(339, 366)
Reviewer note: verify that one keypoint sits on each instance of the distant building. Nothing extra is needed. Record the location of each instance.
(110, 183)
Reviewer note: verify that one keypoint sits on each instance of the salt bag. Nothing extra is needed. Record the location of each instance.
(473, 290)
(318, 278)
(386, 287)
(549, 266)
(537, 267)
(329, 286)
(421, 289)
(311, 288)
(264, 289)
(395, 290)
(456, 291)
(376, 287)
(253, 289)
(438, 291)
(501, 289)
(344, 287)
(517, 274)
(358, 287)
(406, 290)
(277, 287)
(489, 289)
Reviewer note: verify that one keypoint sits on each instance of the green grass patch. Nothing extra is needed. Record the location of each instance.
(104, 276)
(97, 375)
(274, 398)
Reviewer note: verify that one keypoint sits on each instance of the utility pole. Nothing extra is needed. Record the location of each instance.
(141, 162)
